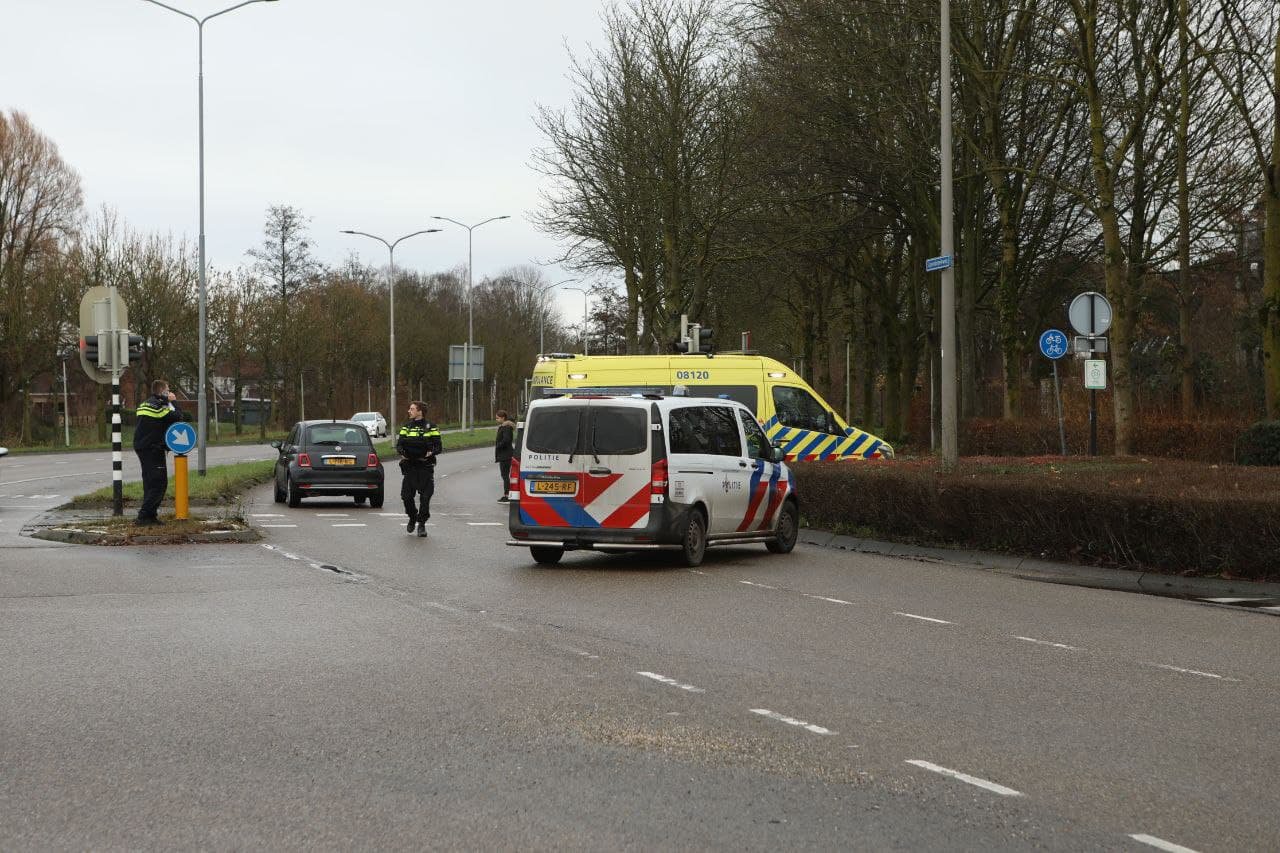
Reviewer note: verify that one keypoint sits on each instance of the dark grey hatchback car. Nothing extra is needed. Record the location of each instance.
(328, 458)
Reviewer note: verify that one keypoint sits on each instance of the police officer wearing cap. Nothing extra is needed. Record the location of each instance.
(155, 414)
(418, 443)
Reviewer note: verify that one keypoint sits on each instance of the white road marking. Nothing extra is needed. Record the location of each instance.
(824, 598)
(922, 618)
(333, 515)
(392, 514)
(696, 572)
(671, 681)
(1047, 643)
(965, 777)
(484, 524)
(1232, 600)
(266, 515)
(1190, 671)
(1160, 843)
(353, 524)
(277, 525)
(761, 585)
(792, 721)
(38, 479)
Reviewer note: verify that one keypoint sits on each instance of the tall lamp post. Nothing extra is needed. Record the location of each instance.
(585, 302)
(202, 422)
(391, 289)
(950, 421)
(542, 312)
(469, 404)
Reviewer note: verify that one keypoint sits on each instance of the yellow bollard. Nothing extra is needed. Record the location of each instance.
(180, 487)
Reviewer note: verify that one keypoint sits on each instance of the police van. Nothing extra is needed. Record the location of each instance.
(642, 472)
(791, 413)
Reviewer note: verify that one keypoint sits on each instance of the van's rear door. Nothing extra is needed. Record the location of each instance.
(616, 489)
(551, 469)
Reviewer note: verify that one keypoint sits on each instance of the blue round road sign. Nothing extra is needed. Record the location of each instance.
(180, 438)
(1053, 344)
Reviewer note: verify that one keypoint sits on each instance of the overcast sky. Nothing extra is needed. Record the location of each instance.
(365, 114)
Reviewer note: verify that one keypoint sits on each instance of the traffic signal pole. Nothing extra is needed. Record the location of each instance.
(117, 459)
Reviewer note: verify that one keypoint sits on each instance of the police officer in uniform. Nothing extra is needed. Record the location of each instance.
(155, 414)
(418, 444)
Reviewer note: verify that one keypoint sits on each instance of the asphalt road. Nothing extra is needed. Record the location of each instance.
(343, 685)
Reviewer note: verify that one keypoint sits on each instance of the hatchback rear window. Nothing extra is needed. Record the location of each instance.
(337, 434)
(619, 431)
(553, 430)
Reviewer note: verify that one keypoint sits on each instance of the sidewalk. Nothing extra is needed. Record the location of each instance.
(1030, 568)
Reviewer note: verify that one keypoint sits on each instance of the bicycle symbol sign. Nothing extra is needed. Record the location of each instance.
(1053, 344)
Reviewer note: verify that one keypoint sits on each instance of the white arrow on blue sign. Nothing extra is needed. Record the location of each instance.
(180, 438)
(941, 262)
(1053, 344)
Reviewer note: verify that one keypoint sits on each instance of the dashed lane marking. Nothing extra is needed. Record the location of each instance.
(1160, 843)
(761, 585)
(333, 515)
(921, 618)
(965, 777)
(277, 525)
(350, 524)
(792, 721)
(671, 681)
(1047, 643)
(266, 515)
(1198, 672)
(484, 524)
(824, 598)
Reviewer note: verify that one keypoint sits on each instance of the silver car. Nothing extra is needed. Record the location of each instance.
(374, 422)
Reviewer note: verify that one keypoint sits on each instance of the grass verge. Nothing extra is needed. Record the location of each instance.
(221, 484)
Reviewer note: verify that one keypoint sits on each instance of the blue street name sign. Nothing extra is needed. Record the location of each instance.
(180, 438)
(1053, 344)
(939, 263)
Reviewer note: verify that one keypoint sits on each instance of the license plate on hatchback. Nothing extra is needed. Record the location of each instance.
(553, 487)
(340, 460)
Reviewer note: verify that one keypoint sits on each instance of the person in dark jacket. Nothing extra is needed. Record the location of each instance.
(418, 443)
(504, 447)
(155, 414)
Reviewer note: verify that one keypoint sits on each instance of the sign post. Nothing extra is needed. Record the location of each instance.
(1090, 315)
(181, 438)
(104, 320)
(1053, 345)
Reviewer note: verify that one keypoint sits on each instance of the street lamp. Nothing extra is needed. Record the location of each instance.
(950, 421)
(585, 339)
(466, 351)
(542, 309)
(202, 422)
(391, 289)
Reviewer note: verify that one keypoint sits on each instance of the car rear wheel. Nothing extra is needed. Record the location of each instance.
(693, 546)
(546, 555)
(276, 491)
(788, 530)
(376, 499)
(295, 494)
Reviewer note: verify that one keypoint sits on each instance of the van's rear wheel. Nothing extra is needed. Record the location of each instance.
(788, 530)
(545, 555)
(694, 545)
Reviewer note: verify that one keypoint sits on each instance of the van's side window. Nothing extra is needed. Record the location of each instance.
(725, 441)
(797, 408)
(553, 430)
(757, 441)
(688, 432)
(705, 429)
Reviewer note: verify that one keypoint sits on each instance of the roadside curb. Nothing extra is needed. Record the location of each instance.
(52, 526)
(1047, 571)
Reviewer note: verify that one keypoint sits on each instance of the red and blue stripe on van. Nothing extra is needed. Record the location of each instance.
(774, 488)
(598, 502)
(802, 445)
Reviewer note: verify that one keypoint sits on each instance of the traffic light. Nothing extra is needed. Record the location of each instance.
(704, 343)
(683, 343)
(89, 347)
(135, 348)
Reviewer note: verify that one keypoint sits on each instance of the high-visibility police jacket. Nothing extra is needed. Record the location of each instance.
(416, 439)
(154, 416)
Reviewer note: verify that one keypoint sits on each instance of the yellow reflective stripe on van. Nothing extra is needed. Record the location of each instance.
(806, 445)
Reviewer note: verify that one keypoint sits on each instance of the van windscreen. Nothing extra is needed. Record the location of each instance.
(553, 430)
(619, 431)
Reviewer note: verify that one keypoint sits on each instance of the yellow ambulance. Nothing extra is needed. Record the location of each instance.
(794, 416)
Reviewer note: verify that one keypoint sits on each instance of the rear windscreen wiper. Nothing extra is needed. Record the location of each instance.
(576, 434)
(594, 455)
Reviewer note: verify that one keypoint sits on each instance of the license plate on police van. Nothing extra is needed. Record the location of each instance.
(340, 460)
(553, 487)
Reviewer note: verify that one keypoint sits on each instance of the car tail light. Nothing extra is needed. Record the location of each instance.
(373, 460)
(658, 479)
(513, 483)
(304, 460)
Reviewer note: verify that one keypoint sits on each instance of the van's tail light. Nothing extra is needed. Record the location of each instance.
(304, 461)
(513, 480)
(658, 480)
(373, 460)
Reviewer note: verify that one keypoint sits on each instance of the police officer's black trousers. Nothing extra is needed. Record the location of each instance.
(155, 479)
(419, 480)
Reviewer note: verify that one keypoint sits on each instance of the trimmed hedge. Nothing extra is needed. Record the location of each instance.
(1200, 440)
(1260, 444)
(1166, 516)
